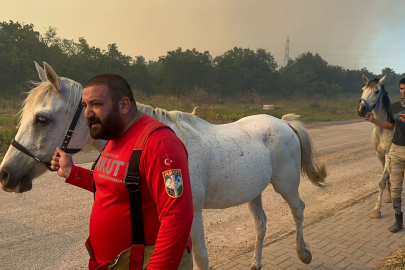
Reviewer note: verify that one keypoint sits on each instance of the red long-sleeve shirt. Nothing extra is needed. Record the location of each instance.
(165, 193)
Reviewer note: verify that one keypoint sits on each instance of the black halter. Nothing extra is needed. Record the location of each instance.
(68, 137)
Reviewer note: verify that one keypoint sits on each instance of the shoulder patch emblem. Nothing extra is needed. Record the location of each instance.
(173, 182)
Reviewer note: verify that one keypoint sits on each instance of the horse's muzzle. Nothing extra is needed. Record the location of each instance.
(362, 110)
(6, 184)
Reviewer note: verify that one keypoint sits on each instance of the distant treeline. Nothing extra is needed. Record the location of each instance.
(178, 73)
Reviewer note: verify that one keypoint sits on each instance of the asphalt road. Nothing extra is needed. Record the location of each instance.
(46, 227)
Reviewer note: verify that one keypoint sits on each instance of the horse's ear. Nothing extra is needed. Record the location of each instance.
(53, 78)
(365, 79)
(41, 72)
(382, 80)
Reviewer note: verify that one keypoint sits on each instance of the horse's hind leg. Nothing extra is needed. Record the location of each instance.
(298, 213)
(259, 217)
(297, 206)
(200, 253)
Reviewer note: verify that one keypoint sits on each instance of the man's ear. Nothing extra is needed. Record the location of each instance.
(125, 105)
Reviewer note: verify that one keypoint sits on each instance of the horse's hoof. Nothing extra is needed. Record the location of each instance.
(376, 214)
(387, 200)
(307, 258)
(253, 267)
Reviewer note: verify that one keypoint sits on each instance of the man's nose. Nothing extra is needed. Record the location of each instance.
(88, 113)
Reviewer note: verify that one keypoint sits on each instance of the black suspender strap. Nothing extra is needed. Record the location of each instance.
(132, 183)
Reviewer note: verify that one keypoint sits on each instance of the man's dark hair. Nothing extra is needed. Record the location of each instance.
(402, 81)
(117, 86)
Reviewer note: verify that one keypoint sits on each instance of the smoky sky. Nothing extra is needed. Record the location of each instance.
(352, 34)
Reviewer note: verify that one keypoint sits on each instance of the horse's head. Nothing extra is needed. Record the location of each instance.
(372, 95)
(45, 117)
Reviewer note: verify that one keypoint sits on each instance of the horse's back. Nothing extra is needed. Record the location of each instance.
(234, 163)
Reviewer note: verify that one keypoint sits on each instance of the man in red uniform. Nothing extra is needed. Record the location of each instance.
(111, 114)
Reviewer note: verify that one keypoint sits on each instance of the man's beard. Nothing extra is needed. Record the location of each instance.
(109, 129)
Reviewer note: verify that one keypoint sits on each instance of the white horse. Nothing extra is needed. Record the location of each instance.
(230, 164)
(375, 99)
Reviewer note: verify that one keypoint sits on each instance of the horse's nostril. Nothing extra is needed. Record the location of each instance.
(3, 177)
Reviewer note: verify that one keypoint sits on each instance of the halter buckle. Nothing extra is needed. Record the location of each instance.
(69, 133)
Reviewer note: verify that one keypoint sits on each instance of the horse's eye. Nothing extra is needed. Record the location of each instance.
(376, 92)
(41, 120)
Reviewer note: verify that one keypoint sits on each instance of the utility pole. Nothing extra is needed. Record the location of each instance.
(287, 51)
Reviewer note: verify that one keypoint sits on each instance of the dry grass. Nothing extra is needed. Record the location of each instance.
(394, 262)
(218, 110)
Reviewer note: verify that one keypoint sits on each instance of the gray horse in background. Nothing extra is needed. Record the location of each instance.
(375, 99)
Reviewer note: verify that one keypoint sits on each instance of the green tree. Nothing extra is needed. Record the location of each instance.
(153, 66)
(20, 46)
(310, 75)
(140, 78)
(182, 71)
(240, 70)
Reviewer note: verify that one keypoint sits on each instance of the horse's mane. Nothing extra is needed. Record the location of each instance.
(173, 116)
(43, 91)
(386, 101)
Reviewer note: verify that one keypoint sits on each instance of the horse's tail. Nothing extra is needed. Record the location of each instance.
(316, 174)
(194, 110)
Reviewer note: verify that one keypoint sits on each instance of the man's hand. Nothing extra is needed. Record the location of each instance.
(403, 117)
(62, 162)
(369, 117)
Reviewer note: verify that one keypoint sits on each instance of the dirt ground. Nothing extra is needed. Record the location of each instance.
(46, 227)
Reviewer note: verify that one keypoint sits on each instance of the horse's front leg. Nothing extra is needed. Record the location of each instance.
(381, 186)
(387, 198)
(200, 253)
(259, 218)
(386, 175)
